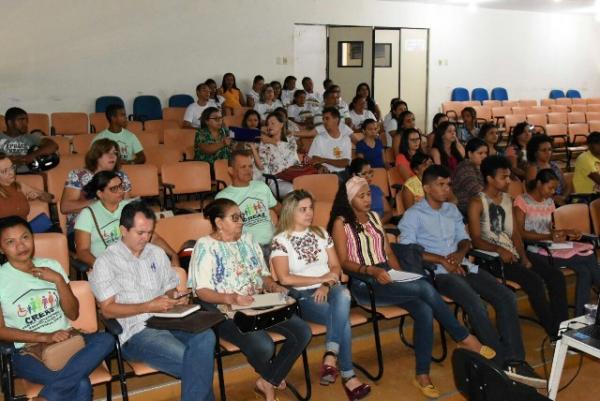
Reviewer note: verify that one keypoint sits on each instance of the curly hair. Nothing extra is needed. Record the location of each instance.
(341, 208)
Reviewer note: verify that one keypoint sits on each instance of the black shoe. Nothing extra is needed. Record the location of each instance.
(522, 372)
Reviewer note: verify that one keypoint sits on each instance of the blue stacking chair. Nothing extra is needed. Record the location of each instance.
(573, 94)
(181, 100)
(499, 94)
(556, 94)
(146, 108)
(460, 95)
(480, 94)
(103, 101)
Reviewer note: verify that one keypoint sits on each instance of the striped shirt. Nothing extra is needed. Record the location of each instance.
(132, 280)
(366, 247)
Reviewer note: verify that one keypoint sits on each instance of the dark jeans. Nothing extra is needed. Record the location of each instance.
(588, 274)
(188, 356)
(550, 308)
(470, 292)
(259, 349)
(72, 381)
(424, 303)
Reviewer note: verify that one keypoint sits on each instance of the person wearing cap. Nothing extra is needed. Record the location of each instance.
(587, 167)
(363, 249)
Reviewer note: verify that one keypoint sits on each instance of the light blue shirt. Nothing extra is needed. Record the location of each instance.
(437, 231)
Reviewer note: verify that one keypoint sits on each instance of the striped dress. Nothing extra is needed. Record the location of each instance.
(366, 247)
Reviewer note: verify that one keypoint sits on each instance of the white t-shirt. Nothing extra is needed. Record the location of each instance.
(287, 96)
(306, 252)
(325, 146)
(253, 95)
(344, 129)
(194, 111)
(300, 113)
(264, 109)
(314, 99)
(357, 119)
(390, 125)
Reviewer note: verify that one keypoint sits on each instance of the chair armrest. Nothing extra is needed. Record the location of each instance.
(269, 177)
(112, 325)
(591, 238)
(360, 277)
(397, 187)
(484, 255)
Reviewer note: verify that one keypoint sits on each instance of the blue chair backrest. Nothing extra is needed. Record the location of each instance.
(460, 95)
(104, 101)
(573, 93)
(499, 94)
(556, 93)
(147, 107)
(480, 94)
(180, 100)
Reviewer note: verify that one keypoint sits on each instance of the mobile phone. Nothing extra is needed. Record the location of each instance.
(180, 295)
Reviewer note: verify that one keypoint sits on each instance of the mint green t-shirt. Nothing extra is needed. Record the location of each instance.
(129, 144)
(254, 202)
(29, 303)
(107, 222)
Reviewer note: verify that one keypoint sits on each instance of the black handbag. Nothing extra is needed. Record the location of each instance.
(195, 322)
(256, 319)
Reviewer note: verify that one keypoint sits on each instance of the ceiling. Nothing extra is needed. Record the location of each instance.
(526, 5)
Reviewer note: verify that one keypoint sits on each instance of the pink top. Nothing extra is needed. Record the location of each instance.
(401, 160)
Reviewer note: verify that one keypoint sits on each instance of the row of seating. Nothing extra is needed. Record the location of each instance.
(499, 93)
(562, 105)
(145, 107)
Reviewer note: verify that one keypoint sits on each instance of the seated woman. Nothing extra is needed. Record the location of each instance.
(51, 303)
(212, 140)
(253, 97)
(412, 191)
(539, 157)
(275, 153)
(299, 111)
(215, 98)
(371, 148)
(277, 90)
(97, 225)
(489, 134)
(251, 119)
(227, 268)
(467, 180)
(515, 152)
(437, 120)
(15, 196)
(304, 258)
(406, 120)
(468, 130)
(234, 98)
(102, 156)
(364, 91)
(390, 121)
(409, 146)
(361, 168)
(533, 216)
(359, 113)
(267, 102)
(362, 248)
(447, 150)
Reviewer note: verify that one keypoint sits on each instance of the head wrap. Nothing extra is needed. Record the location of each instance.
(353, 185)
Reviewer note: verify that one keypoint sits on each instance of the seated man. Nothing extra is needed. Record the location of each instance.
(314, 99)
(331, 148)
(437, 225)
(587, 167)
(130, 148)
(133, 279)
(22, 147)
(254, 199)
(191, 117)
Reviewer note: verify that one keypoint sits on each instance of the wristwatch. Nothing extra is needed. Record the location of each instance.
(326, 284)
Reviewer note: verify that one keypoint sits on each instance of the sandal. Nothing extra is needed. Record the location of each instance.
(328, 373)
(358, 393)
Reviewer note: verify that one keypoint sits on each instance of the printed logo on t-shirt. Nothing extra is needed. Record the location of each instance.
(14, 147)
(123, 150)
(38, 308)
(253, 211)
(337, 152)
(110, 232)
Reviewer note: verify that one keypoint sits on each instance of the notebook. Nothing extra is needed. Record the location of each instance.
(264, 301)
(178, 311)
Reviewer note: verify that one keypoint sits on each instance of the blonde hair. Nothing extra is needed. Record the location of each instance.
(3, 193)
(289, 204)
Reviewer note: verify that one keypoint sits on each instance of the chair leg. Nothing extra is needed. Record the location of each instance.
(307, 383)
(379, 374)
(410, 345)
(220, 374)
(121, 369)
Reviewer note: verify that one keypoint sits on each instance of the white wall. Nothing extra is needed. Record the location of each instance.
(60, 55)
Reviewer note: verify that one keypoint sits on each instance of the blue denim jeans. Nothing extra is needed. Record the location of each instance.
(186, 356)
(424, 303)
(72, 381)
(334, 314)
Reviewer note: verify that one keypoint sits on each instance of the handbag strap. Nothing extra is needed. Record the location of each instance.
(97, 226)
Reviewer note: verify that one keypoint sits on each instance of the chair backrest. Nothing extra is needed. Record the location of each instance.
(181, 100)
(593, 108)
(480, 94)
(573, 93)
(69, 123)
(87, 321)
(177, 230)
(38, 121)
(137, 127)
(221, 168)
(160, 126)
(499, 94)
(578, 132)
(568, 177)
(179, 138)
(510, 120)
(483, 113)
(159, 155)
(394, 178)
(578, 108)
(557, 118)
(575, 117)
(593, 100)
(539, 110)
(182, 277)
(501, 111)
(592, 116)
(187, 177)
(452, 107)
(322, 213)
(559, 108)
(528, 102)
(459, 94)
(520, 110)
(556, 129)
(55, 180)
(594, 126)
(380, 178)
(104, 101)
(98, 122)
(573, 216)
(82, 143)
(537, 119)
(52, 246)
(37, 207)
(143, 178)
(565, 101)
(174, 114)
(547, 102)
(595, 215)
(147, 107)
(510, 103)
(492, 103)
(556, 93)
(148, 139)
(323, 187)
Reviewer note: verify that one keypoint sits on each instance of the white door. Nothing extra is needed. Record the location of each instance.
(386, 85)
(413, 72)
(310, 54)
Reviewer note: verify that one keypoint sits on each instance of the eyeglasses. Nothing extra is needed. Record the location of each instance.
(215, 118)
(8, 171)
(236, 217)
(116, 188)
(368, 173)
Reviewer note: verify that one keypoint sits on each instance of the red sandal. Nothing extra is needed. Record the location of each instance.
(328, 373)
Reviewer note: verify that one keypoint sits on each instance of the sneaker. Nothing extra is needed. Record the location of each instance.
(522, 372)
